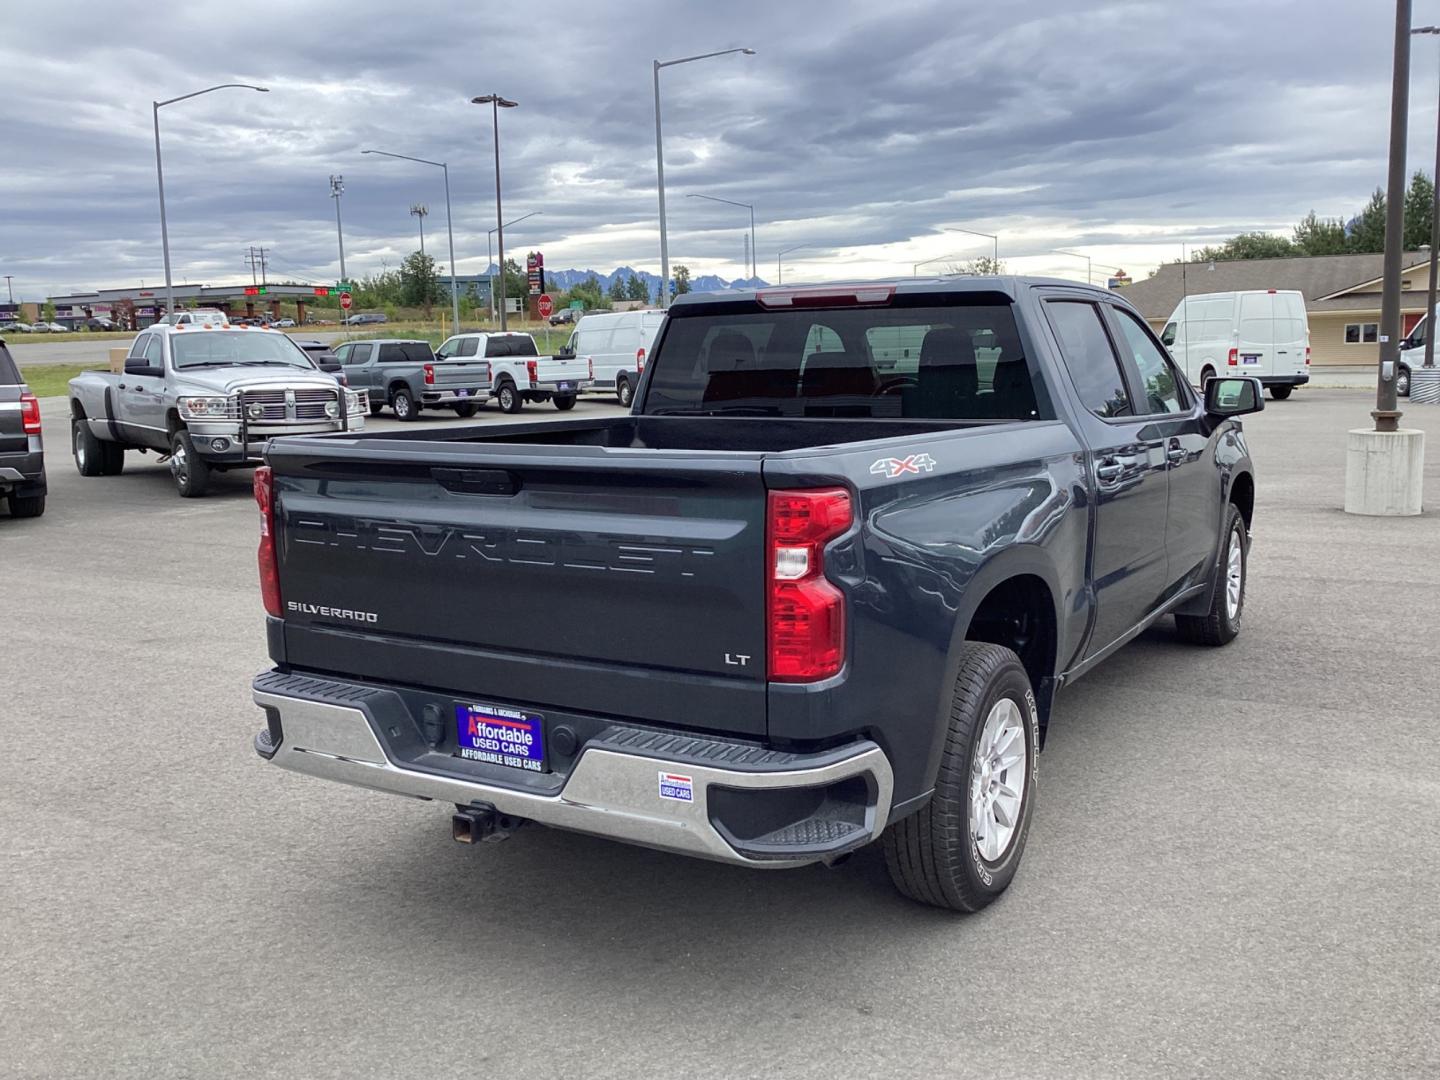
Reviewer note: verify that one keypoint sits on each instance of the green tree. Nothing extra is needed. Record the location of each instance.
(980, 266)
(1367, 228)
(419, 283)
(682, 279)
(636, 289)
(587, 292)
(47, 313)
(517, 285)
(617, 288)
(1251, 245)
(1320, 236)
(1419, 203)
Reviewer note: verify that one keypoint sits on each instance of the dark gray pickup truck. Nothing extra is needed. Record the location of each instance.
(819, 589)
(22, 454)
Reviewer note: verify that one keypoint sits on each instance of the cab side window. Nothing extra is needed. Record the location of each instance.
(1148, 365)
(1089, 358)
(468, 346)
(447, 350)
(155, 352)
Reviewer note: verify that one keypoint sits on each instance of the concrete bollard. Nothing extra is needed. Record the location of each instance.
(1383, 472)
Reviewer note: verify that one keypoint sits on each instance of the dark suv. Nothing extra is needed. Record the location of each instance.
(22, 456)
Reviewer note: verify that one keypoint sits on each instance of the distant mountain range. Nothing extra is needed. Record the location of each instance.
(568, 279)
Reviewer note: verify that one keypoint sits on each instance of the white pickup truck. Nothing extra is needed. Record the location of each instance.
(518, 373)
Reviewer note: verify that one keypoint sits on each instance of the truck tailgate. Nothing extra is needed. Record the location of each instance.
(563, 369)
(620, 581)
(460, 375)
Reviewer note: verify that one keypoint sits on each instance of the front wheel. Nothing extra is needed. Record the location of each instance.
(962, 849)
(509, 398)
(624, 392)
(564, 402)
(1402, 382)
(1221, 624)
(376, 409)
(1280, 393)
(190, 471)
(404, 406)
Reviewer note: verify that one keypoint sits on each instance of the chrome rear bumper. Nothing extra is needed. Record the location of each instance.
(611, 791)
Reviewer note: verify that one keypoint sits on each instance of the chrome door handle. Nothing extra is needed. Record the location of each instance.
(1175, 454)
(1108, 471)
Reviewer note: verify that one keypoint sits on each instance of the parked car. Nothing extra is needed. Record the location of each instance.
(99, 322)
(518, 373)
(616, 343)
(794, 604)
(563, 317)
(58, 328)
(40, 327)
(366, 318)
(283, 324)
(17, 327)
(207, 397)
(198, 317)
(408, 377)
(22, 452)
(1261, 332)
(324, 358)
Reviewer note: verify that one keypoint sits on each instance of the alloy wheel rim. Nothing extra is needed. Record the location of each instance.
(998, 775)
(179, 461)
(79, 446)
(1234, 576)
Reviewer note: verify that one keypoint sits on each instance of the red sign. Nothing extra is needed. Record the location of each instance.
(545, 305)
(345, 300)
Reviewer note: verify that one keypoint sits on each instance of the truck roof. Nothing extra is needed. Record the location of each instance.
(1009, 284)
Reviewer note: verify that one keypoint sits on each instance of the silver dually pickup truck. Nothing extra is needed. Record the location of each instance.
(208, 397)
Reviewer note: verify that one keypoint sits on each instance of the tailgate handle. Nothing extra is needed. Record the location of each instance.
(477, 481)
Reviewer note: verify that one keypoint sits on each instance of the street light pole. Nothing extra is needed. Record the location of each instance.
(1434, 238)
(779, 272)
(488, 235)
(1077, 255)
(156, 106)
(915, 267)
(496, 103)
(746, 206)
(660, 163)
(1387, 413)
(988, 236)
(449, 225)
(337, 188)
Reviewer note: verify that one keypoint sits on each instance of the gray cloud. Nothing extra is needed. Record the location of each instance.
(857, 130)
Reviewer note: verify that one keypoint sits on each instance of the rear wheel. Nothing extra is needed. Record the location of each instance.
(404, 405)
(1280, 393)
(376, 409)
(26, 506)
(190, 470)
(962, 850)
(1221, 624)
(509, 398)
(88, 451)
(1402, 382)
(624, 392)
(465, 409)
(564, 402)
(1206, 375)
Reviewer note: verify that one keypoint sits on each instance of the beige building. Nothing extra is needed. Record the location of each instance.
(1342, 296)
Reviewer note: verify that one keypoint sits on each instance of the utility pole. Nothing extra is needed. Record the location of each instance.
(1387, 413)
(8, 289)
(250, 261)
(337, 188)
(418, 211)
(747, 255)
(1434, 256)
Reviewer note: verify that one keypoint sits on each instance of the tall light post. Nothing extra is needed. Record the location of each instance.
(419, 210)
(337, 188)
(747, 206)
(915, 267)
(160, 173)
(660, 163)
(1077, 255)
(488, 260)
(496, 103)
(449, 226)
(779, 273)
(988, 236)
(1434, 250)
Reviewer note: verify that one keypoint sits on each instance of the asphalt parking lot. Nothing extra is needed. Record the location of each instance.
(1232, 869)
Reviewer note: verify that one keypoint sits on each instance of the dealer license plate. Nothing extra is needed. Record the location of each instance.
(1250, 358)
(500, 736)
(564, 386)
(462, 393)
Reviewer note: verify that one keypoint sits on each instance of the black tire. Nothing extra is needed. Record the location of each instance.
(1280, 393)
(26, 506)
(1206, 375)
(509, 398)
(466, 409)
(1402, 382)
(376, 409)
(190, 471)
(933, 855)
(1221, 625)
(624, 392)
(87, 450)
(564, 402)
(112, 458)
(406, 409)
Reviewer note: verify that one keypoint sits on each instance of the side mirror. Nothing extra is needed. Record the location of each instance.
(138, 366)
(1233, 397)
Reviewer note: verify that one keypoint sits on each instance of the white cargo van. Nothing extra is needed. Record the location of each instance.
(1263, 333)
(617, 343)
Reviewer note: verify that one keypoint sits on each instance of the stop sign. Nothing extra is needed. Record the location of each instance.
(545, 305)
(345, 300)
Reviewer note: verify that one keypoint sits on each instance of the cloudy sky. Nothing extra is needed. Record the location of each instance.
(859, 131)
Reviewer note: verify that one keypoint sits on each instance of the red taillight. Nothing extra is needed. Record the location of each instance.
(1234, 358)
(429, 374)
(639, 361)
(805, 613)
(533, 367)
(590, 365)
(1307, 355)
(269, 569)
(30, 413)
(489, 372)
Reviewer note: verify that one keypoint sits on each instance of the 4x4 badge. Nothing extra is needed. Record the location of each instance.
(892, 467)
